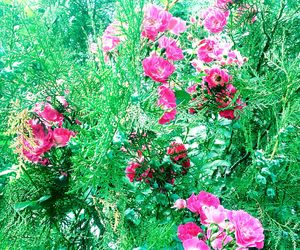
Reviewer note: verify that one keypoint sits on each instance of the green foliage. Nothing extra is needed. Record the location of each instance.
(251, 163)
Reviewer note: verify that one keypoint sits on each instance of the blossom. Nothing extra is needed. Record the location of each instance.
(228, 113)
(206, 50)
(223, 3)
(248, 230)
(157, 68)
(196, 202)
(177, 25)
(62, 136)
(188, 231)
(168, 116)
(167, 97)
(216, 77)
(111, 37)
(220, 239)
(48, 113)
(42, 141)
(215, 19)
(155, 20)
(131, 170)
(173, 52)
(179, 204)
(195, 244)
(63, 101)
(177, 151)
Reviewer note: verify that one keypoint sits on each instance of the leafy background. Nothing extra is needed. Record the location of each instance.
(252, 163)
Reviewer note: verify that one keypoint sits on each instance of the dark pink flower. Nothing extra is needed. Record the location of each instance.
(195, 244)
(215, 19)
(62, 136)
(42, 142)
(223, 3)
(216, 77)
(157, 68)
(196, 202)
(248, 230)
(167, 116)
(48, 113)
(173, 52)
(229, 114)
(188, 231)
(167, 97)
(177, 151)
(206, 50)
(131, 170)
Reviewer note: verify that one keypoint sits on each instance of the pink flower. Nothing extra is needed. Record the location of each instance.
(42, 142)
(206, 50)
(155, 20)
(179, 204)
(167, 117)
(49, 114)
(167, 97)
(177, 25)
(196, 202)
(173, 52)
(215, 20)
(177, 151)
(157, 68)
(223, 3)
(229, 114)
(188, 231)
(63, 101)
(111, 37)
(195, 244)
(62, 136)
(221, 239)
(130, 170)
(248, 230)
(216, 77)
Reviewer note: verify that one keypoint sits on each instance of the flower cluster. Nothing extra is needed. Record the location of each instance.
(159, 21)
(143, 168)
(220, 228)
(45, 132)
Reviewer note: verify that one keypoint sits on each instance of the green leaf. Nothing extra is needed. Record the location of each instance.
(182, 97)
(26, 204)
(44, 198)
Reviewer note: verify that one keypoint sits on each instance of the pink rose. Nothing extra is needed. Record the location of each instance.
(223, 3)
(228, 114)
(167, 117)
(177, 25)
(215, 20)
(216, 77)
(188, 231)
(195, 244)
(179, 204)
(48, 113)
(206, 50)
(130, 170)
(42, 142)
(173, 52)
(196, 202)
(248, 230)
(220, 239)
(157, 68)
(167, 97)
(62, 136)
(111, 37)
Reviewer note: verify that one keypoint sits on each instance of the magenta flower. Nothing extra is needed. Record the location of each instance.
(195, 244)
(155, 20)
(42, 142)
(131, 170)
(188, 231)
(215, 19)
(173, 52)
(216, 77)
(157, 68)
(196, 202)
(248, 230)
(62, 136)
(48, 113)
(206, 50)
(167, 117)
(167, 97)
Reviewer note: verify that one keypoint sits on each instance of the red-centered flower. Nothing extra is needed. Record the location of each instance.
(248, 230)
(188, 231)
(42, 142)
(48, 113)
(173, 52)
(216, 77)
(215, 19)
(62, 136)
(157, 68)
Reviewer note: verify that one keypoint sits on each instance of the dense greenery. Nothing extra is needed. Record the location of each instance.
(251, 163)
